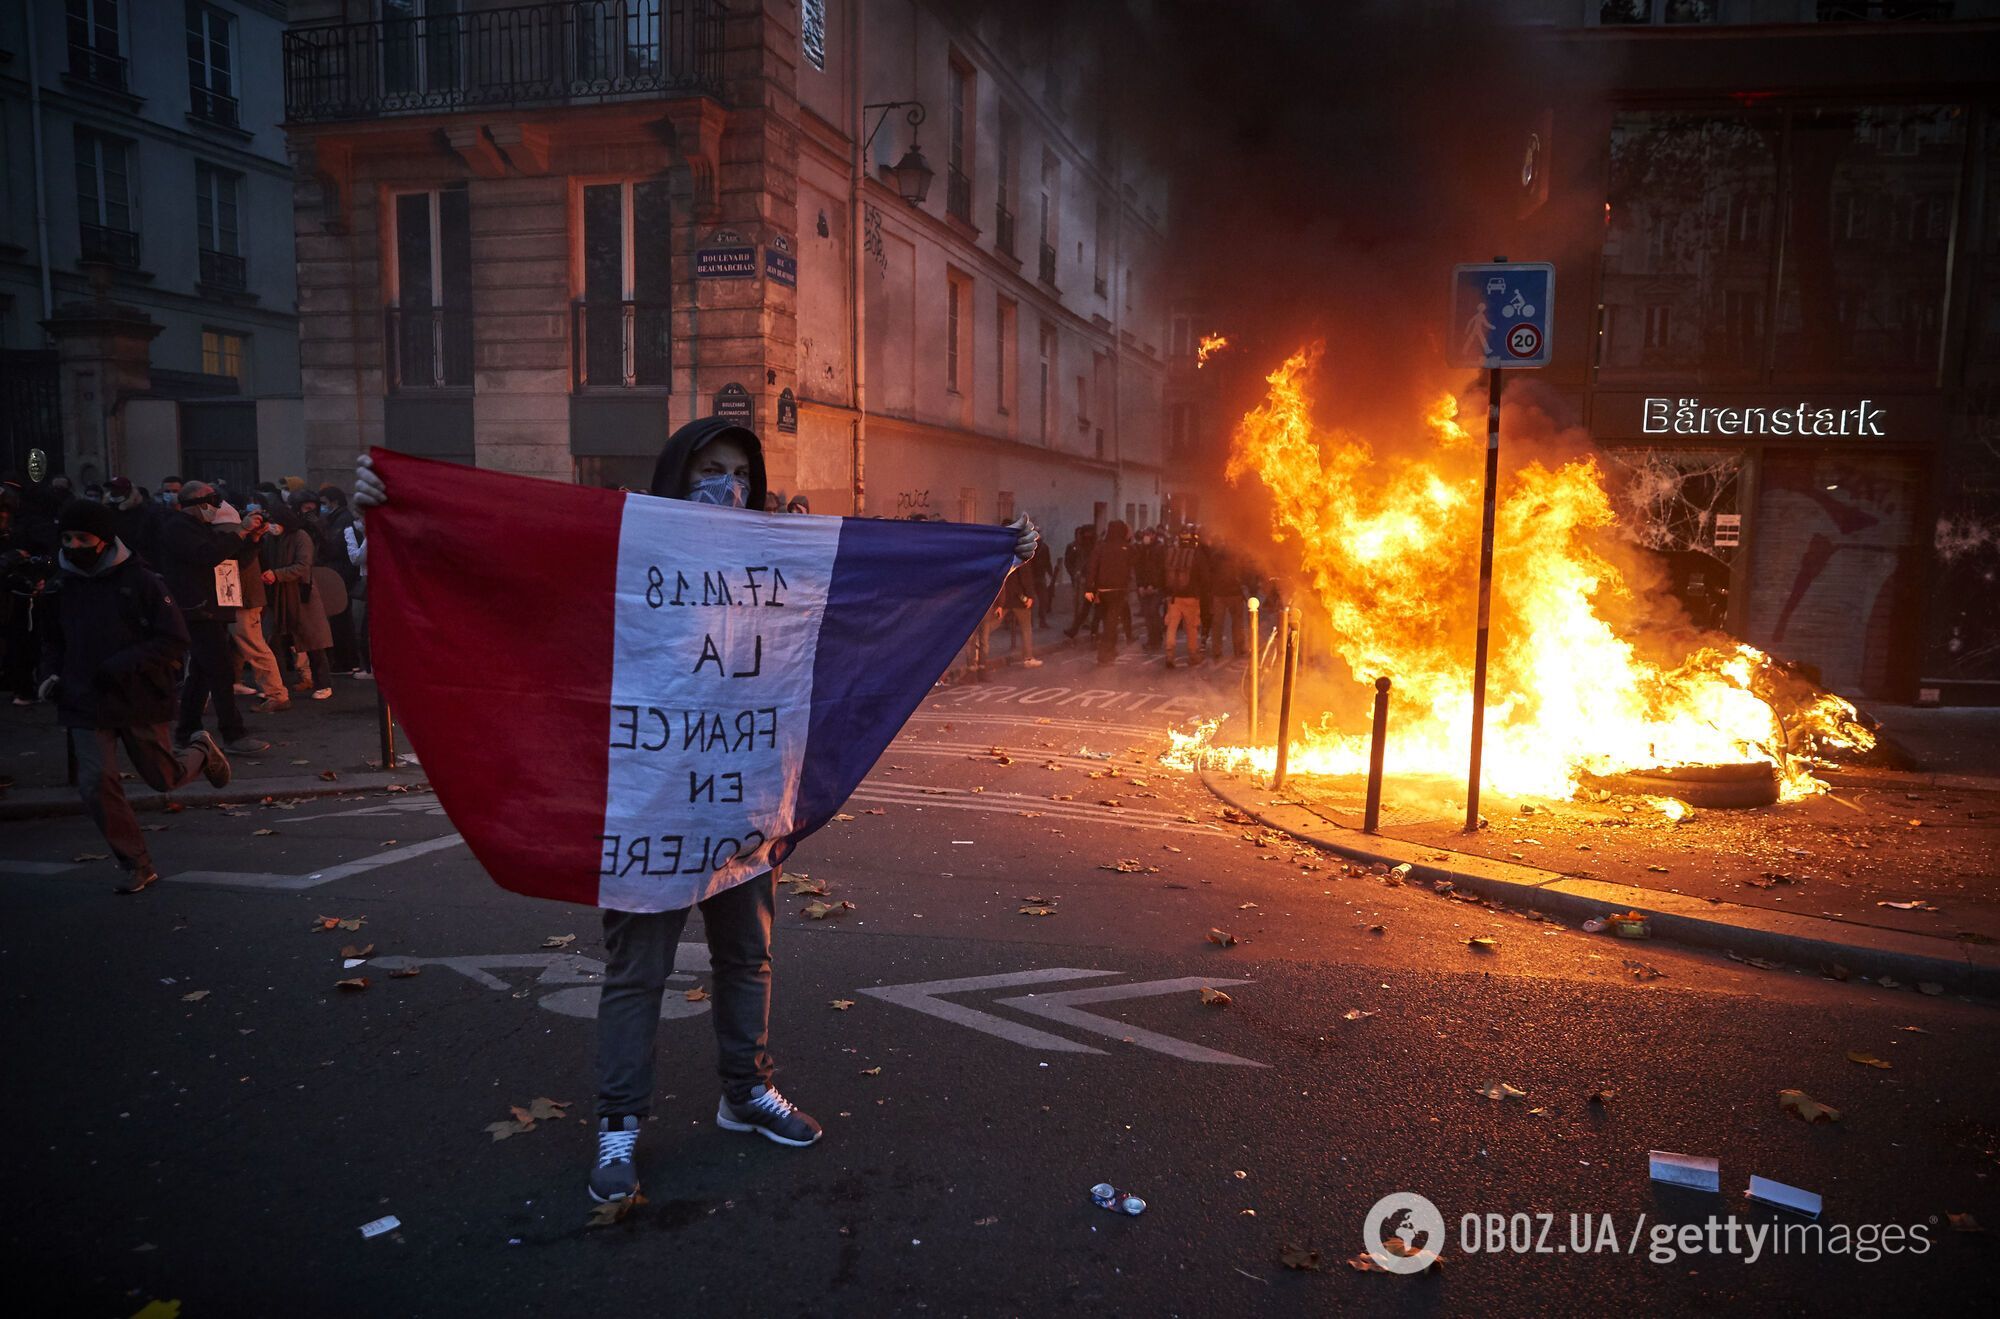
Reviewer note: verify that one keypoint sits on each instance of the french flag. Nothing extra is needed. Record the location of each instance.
(634, 702)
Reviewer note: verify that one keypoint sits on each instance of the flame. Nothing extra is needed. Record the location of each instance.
(1211, 344)
(1388, 548)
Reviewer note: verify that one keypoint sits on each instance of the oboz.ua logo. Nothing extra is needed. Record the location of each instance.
(1404, 1233)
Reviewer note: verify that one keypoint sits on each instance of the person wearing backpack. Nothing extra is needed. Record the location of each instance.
(1187, 586)
(112, 661)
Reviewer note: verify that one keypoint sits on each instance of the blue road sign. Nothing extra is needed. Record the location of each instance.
(1500, 314)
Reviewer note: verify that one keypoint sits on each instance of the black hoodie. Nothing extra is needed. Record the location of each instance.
(670, 473)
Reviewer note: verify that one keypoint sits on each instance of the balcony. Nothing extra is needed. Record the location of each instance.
(221, 270)
(1048, 270)
(212, 107)
(1003, 230)
(428, 347)
(117, 247)
(621, 345)
(101, 68)
(957, 194)
(542, 54)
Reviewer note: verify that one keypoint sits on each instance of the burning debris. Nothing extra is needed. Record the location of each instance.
(1591, 676)
(1210, 345)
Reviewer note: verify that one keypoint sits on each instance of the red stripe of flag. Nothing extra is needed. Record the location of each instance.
(508, 716)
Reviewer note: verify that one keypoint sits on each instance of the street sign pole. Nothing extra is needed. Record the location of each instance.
(1485, 599)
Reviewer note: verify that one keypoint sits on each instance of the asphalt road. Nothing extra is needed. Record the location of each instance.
(224, 1150)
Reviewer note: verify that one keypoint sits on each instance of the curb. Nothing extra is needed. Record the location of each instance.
(1811, 942)
(49, 803)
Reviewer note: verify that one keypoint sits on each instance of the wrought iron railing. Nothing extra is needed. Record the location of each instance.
(621, 345)
(428, 347)
(957, 193)
(1048, 265)
(103, 67)
(213, 107)
(571, 50)
(120, 247)
(1003, 230)
(222, 270)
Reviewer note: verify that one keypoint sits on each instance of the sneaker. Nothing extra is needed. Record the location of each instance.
(322, 693)
(366, 675)
(770, 1115)
(1031, 664)
(271, 705)
(615, 1177)
(245, 689)
(142, 879)
(214, 764)
(24, 700)
(246, 745)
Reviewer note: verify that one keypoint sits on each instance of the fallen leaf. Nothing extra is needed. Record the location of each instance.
(1298, 1257)
(871, 1071)
(841, 1004)
(1365, 1263)
(1964, 1223)
(1601, 1096)
(330, 775)
(1915, 904)
(819, 911)
(1038, 911)
(842, 817)
(614, 1211)
(1223, 938)
(1357, 1014)
(405, 972)
(1246, 906)
(1378, 929)
(351, 985)
(806, 886)
(1867, 1060)
(874, 810)
(194, 996)
(262, 833)
(987, 1221)
(362, 950)
(696, 995)
(1482, 944)
(1499, 1090)
(302, 762)
(1642, 970)
(1215, 998)
(509, 1127)
(1929, 987)
(544, 1109)
(1805, 1107)
(559, 941)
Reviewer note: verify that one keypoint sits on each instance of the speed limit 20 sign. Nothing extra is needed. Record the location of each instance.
(1501, 313)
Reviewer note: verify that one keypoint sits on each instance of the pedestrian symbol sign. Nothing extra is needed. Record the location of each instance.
(1500, 314)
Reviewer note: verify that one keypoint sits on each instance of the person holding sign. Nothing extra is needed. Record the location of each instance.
(203, 557)
(112, 663)
(703, 684)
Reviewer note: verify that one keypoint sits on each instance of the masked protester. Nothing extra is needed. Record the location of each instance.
(298, 618)
(1186, 587)
(112, 664)
(710, 461)
(203, 554)
(248, 646)
(1110, 579)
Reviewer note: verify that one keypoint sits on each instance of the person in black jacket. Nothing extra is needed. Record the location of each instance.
(193, 550)
(112, 663)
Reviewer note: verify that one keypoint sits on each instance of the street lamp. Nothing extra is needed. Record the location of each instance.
(913, 173)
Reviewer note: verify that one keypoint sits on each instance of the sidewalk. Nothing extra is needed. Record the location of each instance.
(314, 738)
(1800, 883)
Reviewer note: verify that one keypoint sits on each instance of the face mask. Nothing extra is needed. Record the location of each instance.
(206, 512)
(727, 491)
(83, 560)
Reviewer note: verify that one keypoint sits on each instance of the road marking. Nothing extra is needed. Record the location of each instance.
(346, 870)
(573, 969)
(1060, 1007)
(922, 997)
(36, 867)
(1007, 803)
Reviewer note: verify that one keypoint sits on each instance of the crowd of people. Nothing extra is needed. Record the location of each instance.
(141, 615)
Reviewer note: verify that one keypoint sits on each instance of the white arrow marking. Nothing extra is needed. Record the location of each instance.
(1057, 1007)
(240, 879)
(562, 969)
(922, 998)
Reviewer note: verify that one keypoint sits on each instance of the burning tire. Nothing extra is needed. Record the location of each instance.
(1718, 787)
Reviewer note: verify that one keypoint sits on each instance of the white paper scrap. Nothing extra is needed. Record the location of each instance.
(380, 1225)
(1696, 1171)
(1765, 1191)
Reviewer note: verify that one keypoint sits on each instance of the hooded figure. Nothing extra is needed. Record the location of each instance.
(675, 474)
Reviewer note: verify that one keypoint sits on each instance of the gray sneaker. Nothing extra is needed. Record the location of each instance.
(615, 1177)
(770, 1115)
(248, 745)
(214, 764)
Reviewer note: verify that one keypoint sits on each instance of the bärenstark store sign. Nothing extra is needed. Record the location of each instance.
(1682, 419)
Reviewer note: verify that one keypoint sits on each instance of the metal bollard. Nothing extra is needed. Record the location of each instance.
(1256, 656)
(1372, 819)
(388, 731)
(1291, 671)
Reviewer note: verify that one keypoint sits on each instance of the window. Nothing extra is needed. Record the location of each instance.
(1003, 355)
(1049, 185)
(1101, 240)
(1658, 326)
(430, 291)
(1743, 323)
(216, 236)
(958, 148)
(104, 199)
(222, 354)
(211, 64)
(1180, 336)
(624, 320)
(1048, 394)
(812, 32)
(1003, 505)
(1009, 147)
(96, 43)
(957, 309)
(1180, 428)
(1083, 403)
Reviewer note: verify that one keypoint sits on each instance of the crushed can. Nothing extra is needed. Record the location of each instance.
(1107, 1196)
